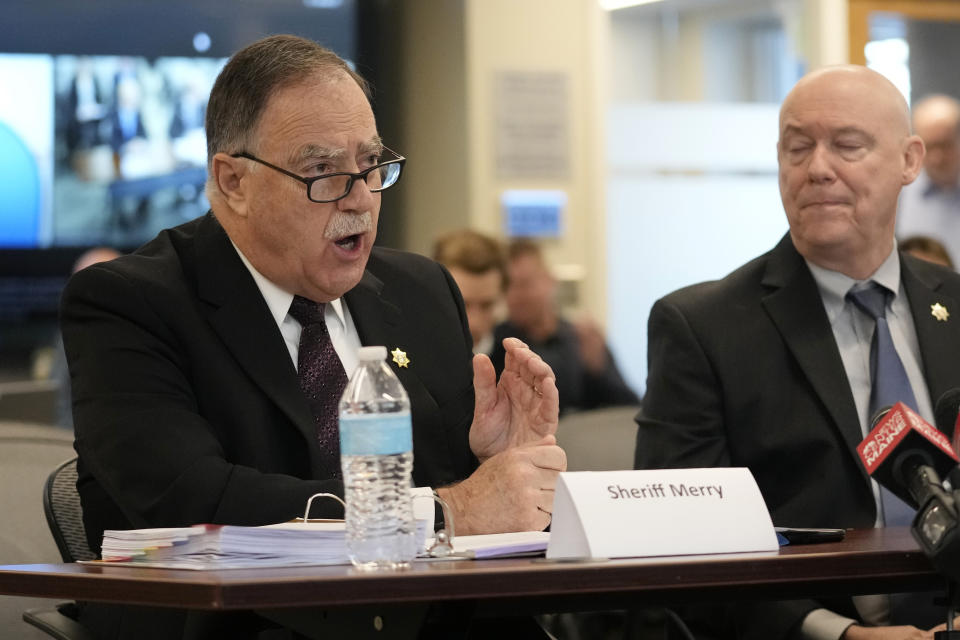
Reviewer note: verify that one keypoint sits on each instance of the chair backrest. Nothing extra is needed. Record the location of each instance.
(61, 505)
(599, 439)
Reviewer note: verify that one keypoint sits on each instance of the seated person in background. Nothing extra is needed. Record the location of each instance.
(770, 367)
(931, 205)
(587, 376)
(478, 266)
(207, 366)
(927, 248)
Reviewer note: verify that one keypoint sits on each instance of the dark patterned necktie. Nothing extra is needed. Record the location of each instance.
(889, 383)
(322, 379)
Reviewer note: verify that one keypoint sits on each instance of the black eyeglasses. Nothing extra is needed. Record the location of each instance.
(331, 187)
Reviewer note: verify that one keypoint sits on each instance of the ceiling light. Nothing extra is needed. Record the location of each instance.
(610, 5)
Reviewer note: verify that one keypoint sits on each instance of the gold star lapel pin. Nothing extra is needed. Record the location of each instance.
(400, 357)
(939, 312)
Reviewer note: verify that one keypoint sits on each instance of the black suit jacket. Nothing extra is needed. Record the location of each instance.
(745, 371)
(186, 401)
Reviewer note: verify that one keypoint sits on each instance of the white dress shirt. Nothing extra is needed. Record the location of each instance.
(336, 315)
(853, 331)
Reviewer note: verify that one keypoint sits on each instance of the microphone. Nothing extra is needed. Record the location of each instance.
(947, 415)
(906, 454)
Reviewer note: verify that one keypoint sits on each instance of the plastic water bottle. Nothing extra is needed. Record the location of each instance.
(376, 454)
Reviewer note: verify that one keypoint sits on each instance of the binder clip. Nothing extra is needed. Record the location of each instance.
(442, 546)
(306, 512)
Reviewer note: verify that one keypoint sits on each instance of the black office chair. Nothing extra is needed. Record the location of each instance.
(61, 505)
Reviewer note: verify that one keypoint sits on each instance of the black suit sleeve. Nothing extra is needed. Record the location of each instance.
(139, 431)
(681, 425)
(607, 388)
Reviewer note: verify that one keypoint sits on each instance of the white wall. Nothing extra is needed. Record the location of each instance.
(692, 178)
(455, 52)
(692, 195)
(553, 36)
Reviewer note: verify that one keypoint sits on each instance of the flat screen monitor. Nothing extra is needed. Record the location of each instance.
(101, 149)
(101, 126)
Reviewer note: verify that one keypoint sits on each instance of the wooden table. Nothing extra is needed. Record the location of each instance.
(867, 561)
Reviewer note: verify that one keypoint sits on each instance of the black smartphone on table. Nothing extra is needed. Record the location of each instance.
(795, 535)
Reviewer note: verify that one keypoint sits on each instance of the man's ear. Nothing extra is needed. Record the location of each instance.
(228, 178)
(913, 154)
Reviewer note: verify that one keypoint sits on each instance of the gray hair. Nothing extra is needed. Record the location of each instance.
(252, 76)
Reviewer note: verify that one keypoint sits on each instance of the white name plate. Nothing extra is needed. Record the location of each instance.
(661, 512)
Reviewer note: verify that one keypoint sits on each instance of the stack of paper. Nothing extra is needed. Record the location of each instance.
(227, 547)
(282, 545)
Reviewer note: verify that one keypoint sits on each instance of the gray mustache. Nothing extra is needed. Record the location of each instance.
(342, 225)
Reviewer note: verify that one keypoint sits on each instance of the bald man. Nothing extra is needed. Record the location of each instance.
(931, 205)
(769, 369)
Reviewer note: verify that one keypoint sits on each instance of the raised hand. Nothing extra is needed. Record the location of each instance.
(521, 409)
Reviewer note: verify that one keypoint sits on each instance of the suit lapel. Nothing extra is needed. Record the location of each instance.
(240, 316)
(380, 321)
(795, 306)
(939, 341)
(372, 314)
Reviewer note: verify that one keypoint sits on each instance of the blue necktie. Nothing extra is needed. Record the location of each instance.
(889, 383)
(322, 379)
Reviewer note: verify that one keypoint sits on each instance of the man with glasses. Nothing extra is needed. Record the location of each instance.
(207, 366)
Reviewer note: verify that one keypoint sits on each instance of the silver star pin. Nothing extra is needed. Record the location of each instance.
(400, 357)
(939, 312)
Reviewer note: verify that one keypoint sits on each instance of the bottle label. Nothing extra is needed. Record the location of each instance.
(375, 434)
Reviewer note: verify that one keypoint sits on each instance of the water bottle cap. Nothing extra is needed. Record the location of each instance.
(369, 354)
